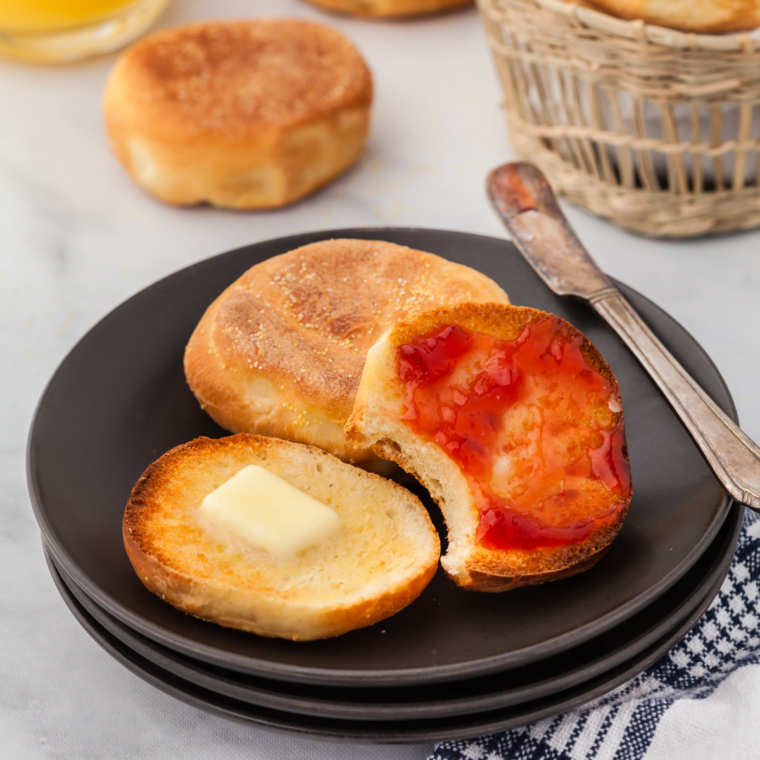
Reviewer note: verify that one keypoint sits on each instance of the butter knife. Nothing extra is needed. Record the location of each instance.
(526, 204)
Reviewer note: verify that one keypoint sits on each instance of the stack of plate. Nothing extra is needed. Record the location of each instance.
(454, 664)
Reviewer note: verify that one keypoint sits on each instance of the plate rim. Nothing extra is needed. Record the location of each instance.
(354, 731)
(719, 568)
(327, 676)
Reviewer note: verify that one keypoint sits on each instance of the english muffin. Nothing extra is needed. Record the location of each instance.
(706, 16)
(513, 421)
(389, 8)
(280, 352)
(379, 561)
(239, 114)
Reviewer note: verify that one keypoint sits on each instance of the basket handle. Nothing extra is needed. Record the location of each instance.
(526, 204)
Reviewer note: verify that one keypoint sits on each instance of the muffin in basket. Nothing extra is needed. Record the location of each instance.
(705, 16)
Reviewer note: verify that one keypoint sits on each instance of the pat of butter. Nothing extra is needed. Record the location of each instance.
(268, 513)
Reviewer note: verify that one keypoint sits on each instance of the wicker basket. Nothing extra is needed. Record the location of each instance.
(656, 130)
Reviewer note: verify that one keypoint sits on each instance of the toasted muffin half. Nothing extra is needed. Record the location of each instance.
(376, 564)
(513, 421)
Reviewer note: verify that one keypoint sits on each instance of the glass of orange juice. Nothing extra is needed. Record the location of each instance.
(49, 31)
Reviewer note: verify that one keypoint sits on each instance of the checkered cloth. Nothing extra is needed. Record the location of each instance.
(621, 724)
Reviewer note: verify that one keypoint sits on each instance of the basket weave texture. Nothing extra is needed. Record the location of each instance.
(656, 130)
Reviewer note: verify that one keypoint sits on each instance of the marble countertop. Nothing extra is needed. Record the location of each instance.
(77, 237)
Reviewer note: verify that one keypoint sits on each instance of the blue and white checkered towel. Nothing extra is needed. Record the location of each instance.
(622, 724)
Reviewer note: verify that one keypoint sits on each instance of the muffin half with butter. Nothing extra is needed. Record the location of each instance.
(277, 538)
(239, 114)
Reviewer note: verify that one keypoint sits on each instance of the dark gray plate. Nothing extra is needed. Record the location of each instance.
(521, 685)
(398, 731)
(119, 401)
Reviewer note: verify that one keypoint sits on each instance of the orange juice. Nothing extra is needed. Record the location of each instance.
(50, 31)
(49, 15)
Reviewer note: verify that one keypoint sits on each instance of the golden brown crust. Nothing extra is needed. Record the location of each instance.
(247, 114)
(493, 571)
(389, 8)
(235, 78)
(487, 570)
(281, 351)
(187, 567)
(700, 16)
(374, 421)
(490, 582)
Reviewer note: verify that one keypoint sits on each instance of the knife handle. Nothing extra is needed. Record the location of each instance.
(731, 454)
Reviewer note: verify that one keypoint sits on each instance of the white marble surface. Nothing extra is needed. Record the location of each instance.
(77, 237)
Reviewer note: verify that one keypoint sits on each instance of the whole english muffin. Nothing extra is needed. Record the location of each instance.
(242, 114)
(389, 8)
(513, 421)
(705, 16)
(280, 352)
(332, 587)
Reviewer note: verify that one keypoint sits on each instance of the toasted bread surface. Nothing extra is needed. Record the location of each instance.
(389, 8)
(379, 562)
(242, 114)
(281, 351)
(701, 16)
(522, 436)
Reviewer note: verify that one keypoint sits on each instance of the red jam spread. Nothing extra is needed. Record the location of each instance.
(530, 424)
